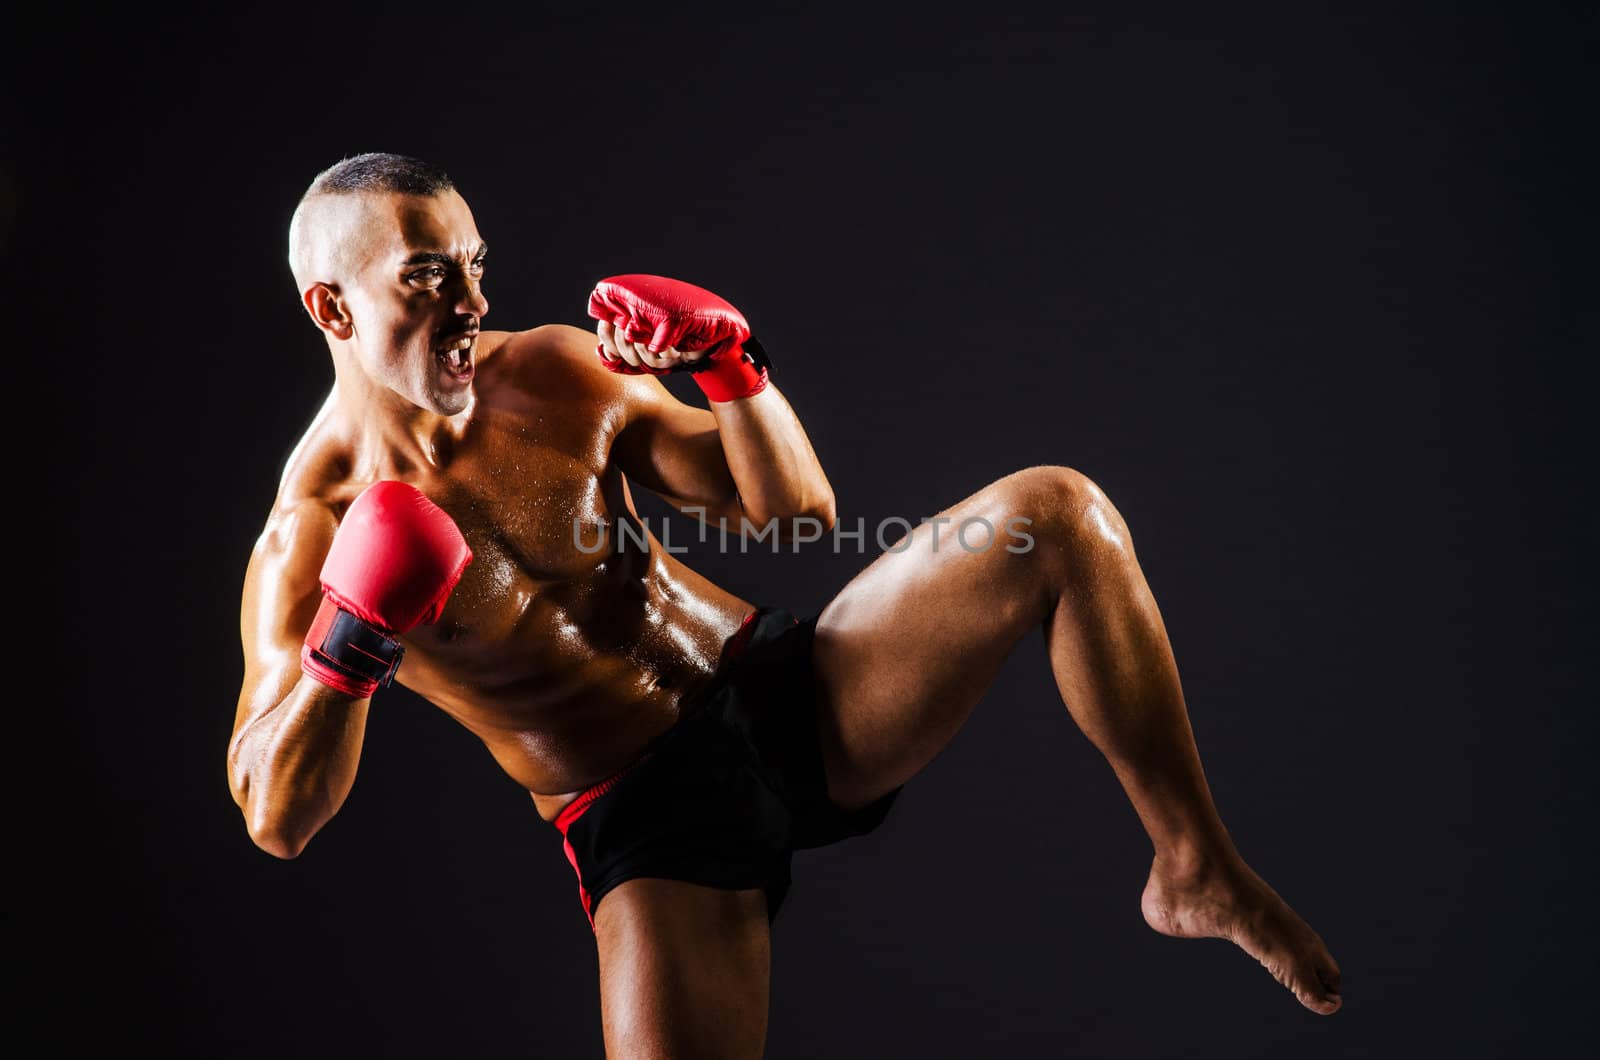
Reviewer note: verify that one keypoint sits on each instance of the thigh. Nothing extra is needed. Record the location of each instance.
(905, 651)
(684, 970)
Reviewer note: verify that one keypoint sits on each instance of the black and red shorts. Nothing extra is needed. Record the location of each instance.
(726, 795)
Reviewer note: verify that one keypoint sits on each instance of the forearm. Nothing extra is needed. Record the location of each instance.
(774, 468)
(758, 464)
(293, 766)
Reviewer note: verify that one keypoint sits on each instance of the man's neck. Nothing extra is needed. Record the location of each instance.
(391, 436)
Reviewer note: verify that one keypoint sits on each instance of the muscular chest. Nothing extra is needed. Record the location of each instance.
(530, 505)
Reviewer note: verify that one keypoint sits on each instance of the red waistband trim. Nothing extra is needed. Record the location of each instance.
(574, 809)
(741, 638)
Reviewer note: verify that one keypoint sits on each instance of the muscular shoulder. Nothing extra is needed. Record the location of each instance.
(282, 580)
(300, 527)
(552, 359)
(314, 489)
(553, 371)
(318, 473)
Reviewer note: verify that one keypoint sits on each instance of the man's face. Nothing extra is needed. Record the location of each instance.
(416, 298)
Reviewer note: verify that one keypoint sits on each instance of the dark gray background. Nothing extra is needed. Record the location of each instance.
(1309, 294)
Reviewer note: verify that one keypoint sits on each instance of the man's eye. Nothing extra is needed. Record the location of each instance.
(428, 275)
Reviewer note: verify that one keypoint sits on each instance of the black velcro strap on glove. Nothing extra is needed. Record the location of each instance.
(754, 352)
(359, 649)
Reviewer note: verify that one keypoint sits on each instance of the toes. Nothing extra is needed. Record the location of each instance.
(1324, 1006)
(1331, 996)
(1326, 999)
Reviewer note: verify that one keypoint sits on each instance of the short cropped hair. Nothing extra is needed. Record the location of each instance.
(376, 171)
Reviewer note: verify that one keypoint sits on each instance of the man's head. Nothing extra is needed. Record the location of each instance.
(390, 266)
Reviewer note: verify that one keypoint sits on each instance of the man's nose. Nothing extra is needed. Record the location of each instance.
(470, 300)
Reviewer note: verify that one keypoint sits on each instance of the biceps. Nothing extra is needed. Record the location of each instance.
(695, 472)
(271, 629)
(679, 457)
(281, 595)
(282, 613)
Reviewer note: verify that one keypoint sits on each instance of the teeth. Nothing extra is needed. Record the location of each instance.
(458, 353)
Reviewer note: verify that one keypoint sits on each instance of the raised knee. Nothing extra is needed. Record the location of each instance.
(1068, 510)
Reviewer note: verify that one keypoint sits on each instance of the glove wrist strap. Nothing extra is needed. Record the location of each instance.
(348, 653)
(737, 372)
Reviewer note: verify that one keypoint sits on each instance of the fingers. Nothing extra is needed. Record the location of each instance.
(613, 346)
(619, 343)
(660, 361)
(631, 345)
(668, 332)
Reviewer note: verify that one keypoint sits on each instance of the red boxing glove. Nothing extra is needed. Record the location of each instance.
(663, 312)
(393, 563)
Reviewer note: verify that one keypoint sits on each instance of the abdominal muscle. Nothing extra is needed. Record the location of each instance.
(557, 763)
(576, 717)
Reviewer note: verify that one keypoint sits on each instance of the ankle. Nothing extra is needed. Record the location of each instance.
(1189, 864)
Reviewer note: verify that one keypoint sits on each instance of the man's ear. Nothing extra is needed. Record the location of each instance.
(328, 310)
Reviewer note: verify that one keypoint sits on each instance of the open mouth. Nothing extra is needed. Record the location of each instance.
(456, 356)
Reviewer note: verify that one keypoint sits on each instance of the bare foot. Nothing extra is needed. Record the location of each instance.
(1229, 901)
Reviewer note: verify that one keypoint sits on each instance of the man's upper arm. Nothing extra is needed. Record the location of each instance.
(282, 591)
